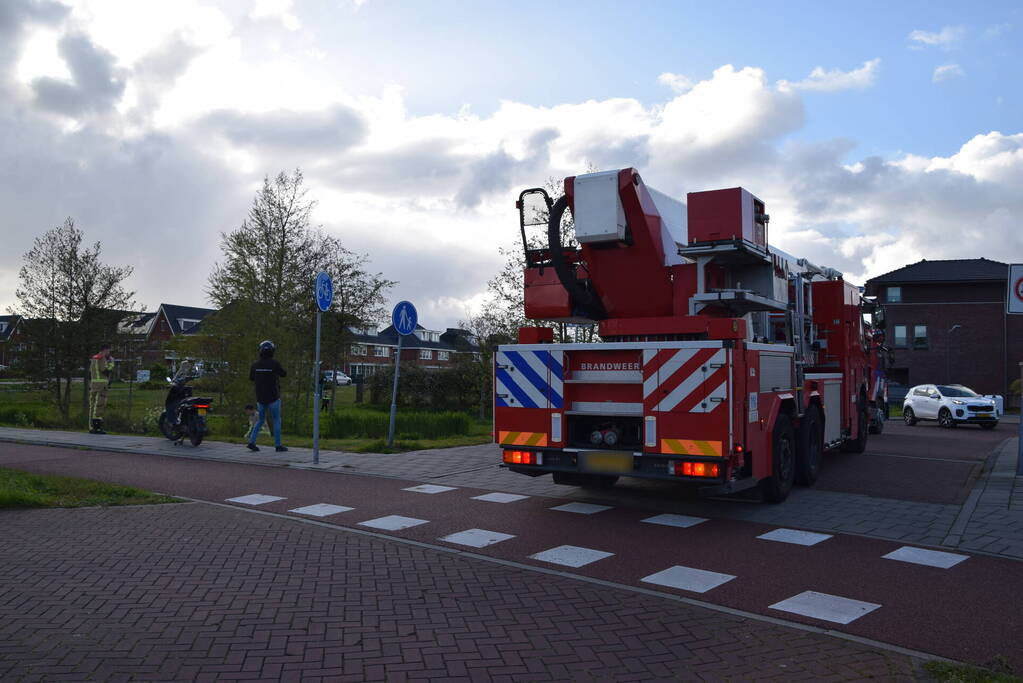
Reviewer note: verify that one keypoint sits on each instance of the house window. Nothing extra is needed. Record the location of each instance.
(3, 327)
(425, 354)
(442, 355)
(920, 336)
(187, 324)
(381, 351)
(900, 337)
(894, 295)
(358, 349)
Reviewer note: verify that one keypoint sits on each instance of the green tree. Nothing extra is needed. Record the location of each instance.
(71, 302)
(263, 288)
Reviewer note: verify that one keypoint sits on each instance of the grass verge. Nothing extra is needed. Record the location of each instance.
(944, 672)
(26, 490)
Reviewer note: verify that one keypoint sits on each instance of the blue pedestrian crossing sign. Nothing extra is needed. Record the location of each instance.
(404, 318)
(324, 291)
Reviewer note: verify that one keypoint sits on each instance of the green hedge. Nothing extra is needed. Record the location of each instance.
(371, 424)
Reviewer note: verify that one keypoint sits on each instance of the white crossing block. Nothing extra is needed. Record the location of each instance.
(321, 510)
(794, 536)
(930, 558)
(430, 488)
(825, 607)
(681, 521)
(570, 555)
(688, 579)
(500, 497)
(477, 538)
(393, 522)
(582, 508)
(254, 499)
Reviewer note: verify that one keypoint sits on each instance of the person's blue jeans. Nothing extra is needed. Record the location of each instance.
(275, 421)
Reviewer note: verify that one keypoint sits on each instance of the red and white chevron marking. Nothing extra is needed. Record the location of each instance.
(685, 380)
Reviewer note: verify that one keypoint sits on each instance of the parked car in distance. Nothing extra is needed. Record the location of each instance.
(950, 405)
(337, 377)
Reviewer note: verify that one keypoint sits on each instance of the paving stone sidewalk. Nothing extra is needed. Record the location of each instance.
(200, 592)
(991, 520)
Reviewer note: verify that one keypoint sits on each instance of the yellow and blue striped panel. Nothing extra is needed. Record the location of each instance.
(522, 438)
(691, 447)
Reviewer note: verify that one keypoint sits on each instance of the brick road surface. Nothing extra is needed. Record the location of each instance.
(195, 591)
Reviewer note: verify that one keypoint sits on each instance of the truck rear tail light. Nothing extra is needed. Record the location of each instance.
(523, 458)
(695, 469)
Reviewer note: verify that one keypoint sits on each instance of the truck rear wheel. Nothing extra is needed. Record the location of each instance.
(783, 462)
(810, 447)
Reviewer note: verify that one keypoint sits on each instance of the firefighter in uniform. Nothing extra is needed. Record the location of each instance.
(100, 367)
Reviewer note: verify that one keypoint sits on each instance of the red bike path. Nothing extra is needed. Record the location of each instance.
(967, 612)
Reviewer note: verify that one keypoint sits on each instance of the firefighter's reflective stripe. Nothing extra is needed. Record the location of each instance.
(522, 438)
(529, 379)
(691, 447)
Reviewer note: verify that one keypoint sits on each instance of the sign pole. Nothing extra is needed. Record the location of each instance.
(394, 394)
(1019, 432)
(316, 394)
(324, 295)
(404, 318)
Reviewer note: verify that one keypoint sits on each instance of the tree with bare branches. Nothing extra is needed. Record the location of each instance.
(71, 302)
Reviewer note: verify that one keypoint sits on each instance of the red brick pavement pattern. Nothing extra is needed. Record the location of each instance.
(200, 592)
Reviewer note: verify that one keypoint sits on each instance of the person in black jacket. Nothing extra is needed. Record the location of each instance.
(266, 373)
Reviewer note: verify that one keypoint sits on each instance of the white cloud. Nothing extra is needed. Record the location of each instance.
(947, 71)
(276, 9)
(947, 38)
(836, 79)
(677, 82)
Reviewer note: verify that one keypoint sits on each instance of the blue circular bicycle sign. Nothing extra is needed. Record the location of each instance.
(404, 317)
(324, 291)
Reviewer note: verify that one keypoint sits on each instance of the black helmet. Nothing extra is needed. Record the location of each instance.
(266, 348)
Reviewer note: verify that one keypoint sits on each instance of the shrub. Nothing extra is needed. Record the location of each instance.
(18, 416)
(410, 425)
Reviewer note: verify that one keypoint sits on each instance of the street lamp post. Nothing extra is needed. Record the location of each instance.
(948, 352)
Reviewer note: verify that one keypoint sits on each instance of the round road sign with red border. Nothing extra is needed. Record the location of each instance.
(1014, 301)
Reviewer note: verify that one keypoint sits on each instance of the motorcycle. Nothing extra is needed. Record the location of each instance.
(184, 415)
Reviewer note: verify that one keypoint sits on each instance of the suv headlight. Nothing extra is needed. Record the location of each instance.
(958, 402)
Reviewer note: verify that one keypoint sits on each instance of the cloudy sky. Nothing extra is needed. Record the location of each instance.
(877, 133)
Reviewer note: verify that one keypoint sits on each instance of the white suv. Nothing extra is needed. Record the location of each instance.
(950, 405)
(337, 377)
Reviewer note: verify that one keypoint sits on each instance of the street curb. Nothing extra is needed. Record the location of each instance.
(955, 532)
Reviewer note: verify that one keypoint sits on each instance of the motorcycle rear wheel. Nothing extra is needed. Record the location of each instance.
(168, 429)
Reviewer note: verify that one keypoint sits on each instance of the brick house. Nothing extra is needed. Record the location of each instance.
(947, 324)
(146, 334)
(10, 344)
(429, 349)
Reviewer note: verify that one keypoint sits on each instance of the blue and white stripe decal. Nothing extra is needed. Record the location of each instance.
(529, 379)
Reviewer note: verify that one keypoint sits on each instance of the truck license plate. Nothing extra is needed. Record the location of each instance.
(597, 461)
(202, 411)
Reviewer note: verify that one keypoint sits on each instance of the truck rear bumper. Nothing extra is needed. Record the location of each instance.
(705, 486)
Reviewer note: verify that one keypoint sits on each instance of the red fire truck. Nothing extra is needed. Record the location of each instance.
(724, 363)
